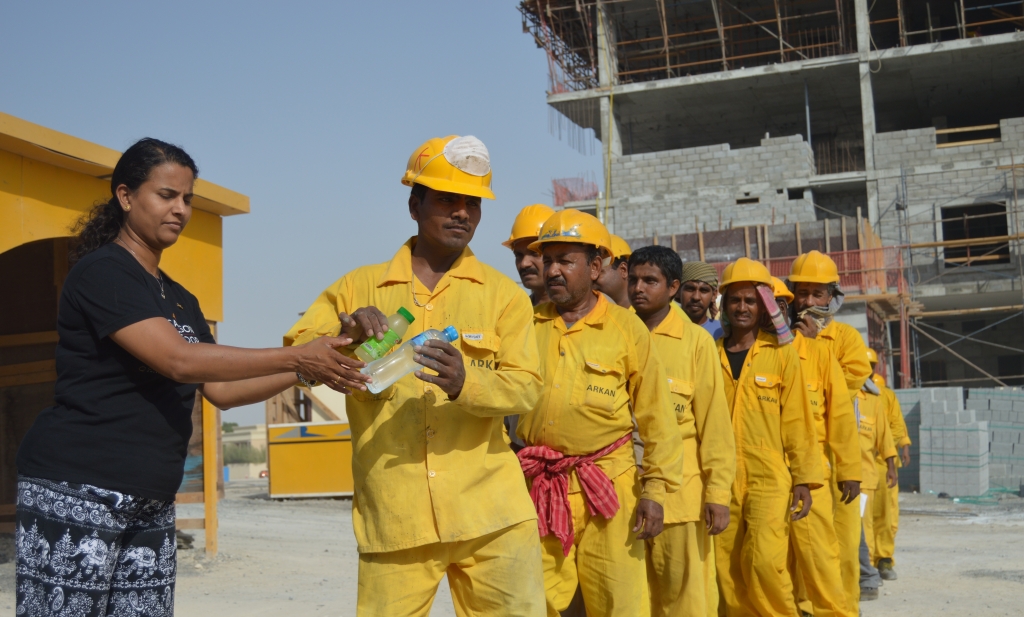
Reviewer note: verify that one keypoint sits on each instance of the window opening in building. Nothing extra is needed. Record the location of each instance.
(933, 371)
(1011, 368)
(748, 200)
(795, 193)
(971, 223)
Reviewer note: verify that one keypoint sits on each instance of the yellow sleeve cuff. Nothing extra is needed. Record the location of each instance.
(655, 491)
(903, 442)
(718, 496)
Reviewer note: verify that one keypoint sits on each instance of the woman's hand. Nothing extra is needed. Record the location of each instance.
(320, 361)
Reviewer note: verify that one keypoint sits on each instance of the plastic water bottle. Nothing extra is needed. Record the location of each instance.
(372, 349)
(390, 369)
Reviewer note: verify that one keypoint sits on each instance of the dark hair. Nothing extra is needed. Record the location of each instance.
(419, 191)
(666, 259)
(593, 252)
(618, 261)
(102, 224)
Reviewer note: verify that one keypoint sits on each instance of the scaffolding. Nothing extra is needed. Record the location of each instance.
(902, 23)
(657, 39)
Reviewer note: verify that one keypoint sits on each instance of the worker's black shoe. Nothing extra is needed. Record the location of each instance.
(885, 569)
(868, 593)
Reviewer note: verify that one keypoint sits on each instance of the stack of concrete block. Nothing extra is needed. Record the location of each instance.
(916, 403)
(1003, 408)
(954, 453)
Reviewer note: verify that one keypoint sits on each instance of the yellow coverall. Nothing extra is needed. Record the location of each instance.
(437, 490)
(848, 346)
(681, 560)
(875, 443)
(773, 422)
(887, 504)
(819, 587)
(594, 373)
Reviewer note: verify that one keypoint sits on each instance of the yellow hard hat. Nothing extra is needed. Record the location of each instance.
(528, 223)
(780, 290)
(451, 164)
(872, 356)
(571, 225)
(814, 267)
(744, 269)
(879, 381)
(620, 248)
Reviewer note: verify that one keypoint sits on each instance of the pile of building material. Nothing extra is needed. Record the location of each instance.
(952, 443)
(1003, 408)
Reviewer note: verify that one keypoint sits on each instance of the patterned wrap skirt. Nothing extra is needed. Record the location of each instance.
(83, 551)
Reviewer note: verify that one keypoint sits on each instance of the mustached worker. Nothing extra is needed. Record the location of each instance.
(600, 371)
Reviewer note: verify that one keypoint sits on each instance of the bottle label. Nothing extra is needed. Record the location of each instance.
(377, 349)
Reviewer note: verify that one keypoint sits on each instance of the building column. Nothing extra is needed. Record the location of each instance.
(867, 104)
(607, 72)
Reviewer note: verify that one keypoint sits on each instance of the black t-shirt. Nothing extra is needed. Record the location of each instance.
(115, 423)
(736, 360)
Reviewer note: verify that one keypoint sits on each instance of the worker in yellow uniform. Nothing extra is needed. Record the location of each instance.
(525, 229)
(875, 443)
(777, 458)
(887, 504)
(600, 372)
(436, 489)
(814, 280)
(818, 586)
(615, 273)
(681, 560)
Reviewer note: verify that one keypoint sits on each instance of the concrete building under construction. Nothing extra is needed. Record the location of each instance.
(890, 136)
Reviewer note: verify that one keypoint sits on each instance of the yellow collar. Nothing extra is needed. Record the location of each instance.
(673, 324)
(596, 318)
(399, 269)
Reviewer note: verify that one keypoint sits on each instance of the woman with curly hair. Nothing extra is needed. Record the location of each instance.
(98, 471)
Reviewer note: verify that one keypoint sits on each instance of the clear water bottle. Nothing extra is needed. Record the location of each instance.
(390, 369)
(372, 349)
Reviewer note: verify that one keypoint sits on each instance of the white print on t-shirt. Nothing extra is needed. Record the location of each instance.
(185, 331)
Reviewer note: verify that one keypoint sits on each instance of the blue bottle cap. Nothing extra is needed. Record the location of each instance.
(451, 334)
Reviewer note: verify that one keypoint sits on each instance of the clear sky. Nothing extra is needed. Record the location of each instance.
(310, 109)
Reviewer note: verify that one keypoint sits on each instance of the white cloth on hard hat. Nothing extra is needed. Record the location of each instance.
(469, 155)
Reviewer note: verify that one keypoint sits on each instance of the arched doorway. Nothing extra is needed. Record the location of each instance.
(31, 277)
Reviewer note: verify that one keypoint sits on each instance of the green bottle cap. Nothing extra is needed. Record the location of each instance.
(406, 314)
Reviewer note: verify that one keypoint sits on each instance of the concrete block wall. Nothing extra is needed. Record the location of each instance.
(948, 176)
(954, 456)
(1003, 409)
(674, 191)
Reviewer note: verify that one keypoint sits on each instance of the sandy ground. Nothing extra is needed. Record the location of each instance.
(299, 558)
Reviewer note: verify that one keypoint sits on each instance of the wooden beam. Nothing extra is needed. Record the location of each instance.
(961, 358)
(967, 242)
(974, 311)
(828, 239)
(211, 472)
(799, 244)
(196, 497)
(25, 368)
(29, 338)
(700, 244)
(190, 523)
(967, 129)
(746, 241)
(971, 142)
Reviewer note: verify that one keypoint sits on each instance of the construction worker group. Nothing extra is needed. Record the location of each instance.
(646, 436)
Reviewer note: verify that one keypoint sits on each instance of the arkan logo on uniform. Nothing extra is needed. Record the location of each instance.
(600, 390)
(490, 365)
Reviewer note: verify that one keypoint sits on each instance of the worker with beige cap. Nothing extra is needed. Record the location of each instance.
(437, 491)
(601, 372)
(697, 296)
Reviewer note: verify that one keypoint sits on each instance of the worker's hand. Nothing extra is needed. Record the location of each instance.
(806, 326)
(320, 361)
(905, 455)
(850, 490)
(443, 358)
(801, 494)
(891, 477)
(650, 519)
(363, 323)
(716, 518)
